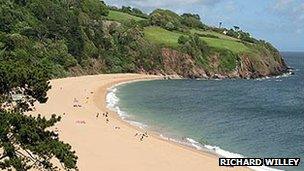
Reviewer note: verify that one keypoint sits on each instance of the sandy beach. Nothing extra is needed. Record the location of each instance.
(112, 145)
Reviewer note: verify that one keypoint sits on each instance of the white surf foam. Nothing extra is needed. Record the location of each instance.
(195, 144)
(112, 103)
(287, 74)
(111, 98)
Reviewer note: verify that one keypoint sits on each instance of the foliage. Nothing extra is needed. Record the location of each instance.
(27, 144)
(196, 48)
(228, 61)
(133, 11)
(122, 17)
(192, 20)
(132, 52)
(94, 8)
(164, 18)
(25, 141)
(19, 78)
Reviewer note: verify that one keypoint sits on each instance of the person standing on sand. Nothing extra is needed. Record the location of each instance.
(97, 115)
(75, 102)
(142, 137)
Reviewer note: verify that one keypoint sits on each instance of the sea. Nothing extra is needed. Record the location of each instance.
(233, 118)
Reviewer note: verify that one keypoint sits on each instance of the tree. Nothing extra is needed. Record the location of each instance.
(26, 142)
(162, 17)
(236, 28)
(169, 26)
(196, 48)
(95, 8)
(191, 20)
(127, 9)
(182, 39)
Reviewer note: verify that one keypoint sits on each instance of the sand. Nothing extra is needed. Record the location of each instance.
(99, 145)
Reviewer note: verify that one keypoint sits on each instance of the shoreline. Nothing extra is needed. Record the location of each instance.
(99, 145)
(190, 144)
(153, 134)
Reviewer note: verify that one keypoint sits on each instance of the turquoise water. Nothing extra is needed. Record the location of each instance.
(254, 118)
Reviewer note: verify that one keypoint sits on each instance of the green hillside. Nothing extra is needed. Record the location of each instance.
(211, 33)
(170, 39)
(122, 17)
(162, 36)
(167, 38)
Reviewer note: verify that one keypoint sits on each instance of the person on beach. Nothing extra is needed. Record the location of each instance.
(107, 120)
(142, 137)
(116, 127)
(75, 101)
(97, 115)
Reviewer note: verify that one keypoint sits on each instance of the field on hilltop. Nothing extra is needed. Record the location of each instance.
(170, 38)
(122, 17)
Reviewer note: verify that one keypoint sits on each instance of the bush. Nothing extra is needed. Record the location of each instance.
(165, 18)
(191, 20)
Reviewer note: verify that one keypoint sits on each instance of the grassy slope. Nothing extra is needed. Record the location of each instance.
(122, 17)
(161, 36)
(164, 37)
(209, 32)
(170, 38)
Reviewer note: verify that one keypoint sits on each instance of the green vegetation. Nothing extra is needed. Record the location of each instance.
(162, 36)
(207, 33)
(166, 19)
(122, 17)
(170, 39)
(231, 45)
(26, 142)
(192, 20)
(129, 10)
(45, 39)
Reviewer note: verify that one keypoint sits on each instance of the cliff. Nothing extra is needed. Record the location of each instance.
(248, 66)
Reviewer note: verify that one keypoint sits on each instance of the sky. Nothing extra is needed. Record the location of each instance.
(280, 22)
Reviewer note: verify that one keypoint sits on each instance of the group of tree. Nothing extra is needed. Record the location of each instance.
(26, 142)
(172, 21)
(130, 10)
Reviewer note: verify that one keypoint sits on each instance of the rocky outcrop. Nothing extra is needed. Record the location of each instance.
(177, 63)
(247, 66)
(261, 67)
